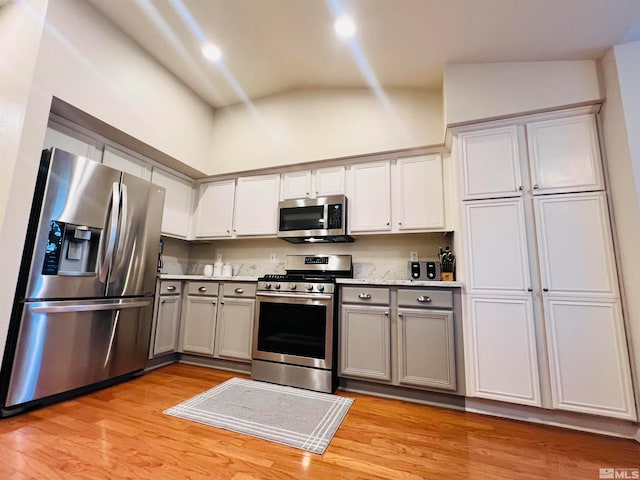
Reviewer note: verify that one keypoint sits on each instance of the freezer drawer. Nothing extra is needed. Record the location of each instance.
(64, 345)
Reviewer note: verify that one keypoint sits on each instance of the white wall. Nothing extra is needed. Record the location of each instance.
(620, 124)
(480, 91)
(310, 125)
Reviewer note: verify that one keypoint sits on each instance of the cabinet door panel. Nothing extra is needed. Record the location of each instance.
(256, 211)
(370, 202)
(419, 193)
(214, 212)
(177, 202)
(296, 184)
(365, 345)
(490, 163)
(574, 244)
(564, 155)
(127, 163)
(166, 325)
(503, 349)
(426, 349)
(235, 328)
(330, 181)
(72, 142)
(588, 358)
(497, 246)
(199, 321)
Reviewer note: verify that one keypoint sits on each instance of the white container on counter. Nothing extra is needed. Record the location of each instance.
(227, 270)
(208, 270)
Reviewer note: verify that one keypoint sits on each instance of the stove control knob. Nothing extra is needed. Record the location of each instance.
(321, 288)
(310, 286)
(293, 286)
(277, 286)
(267, 285)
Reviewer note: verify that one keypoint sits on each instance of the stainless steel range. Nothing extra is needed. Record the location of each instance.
(295, 329)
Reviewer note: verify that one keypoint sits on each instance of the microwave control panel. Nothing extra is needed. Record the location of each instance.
(335, 216)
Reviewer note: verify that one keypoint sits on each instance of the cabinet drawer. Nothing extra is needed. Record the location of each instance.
(432, 298)
(365, 295)
(247, 290)
(202, 288)
(171, 287)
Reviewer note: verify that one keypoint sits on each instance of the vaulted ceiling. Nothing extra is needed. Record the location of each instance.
(271, 46)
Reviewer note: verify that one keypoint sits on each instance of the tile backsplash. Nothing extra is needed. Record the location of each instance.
(374, 256)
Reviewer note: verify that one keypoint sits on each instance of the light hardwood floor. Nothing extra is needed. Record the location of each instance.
(121, 433)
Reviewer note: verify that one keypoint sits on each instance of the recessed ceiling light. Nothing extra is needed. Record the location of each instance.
(211, 52)
(344, 27)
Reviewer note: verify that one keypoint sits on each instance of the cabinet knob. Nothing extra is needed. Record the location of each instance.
(545, 289)
(202, 289)
(399, 223)
(386, 314)
(399, 315)
(228, 231)
(536, 186)
(213, 302)
(239, 290)
(365, 296)
(423, 299)
(171, 288)
(163, 301)
(388, 223)
(521, 187)
(221, 303)
(529, 289)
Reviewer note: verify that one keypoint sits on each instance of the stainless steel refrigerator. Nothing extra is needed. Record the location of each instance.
(84, 296)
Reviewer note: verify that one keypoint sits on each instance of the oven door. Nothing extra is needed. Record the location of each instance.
(294, 328)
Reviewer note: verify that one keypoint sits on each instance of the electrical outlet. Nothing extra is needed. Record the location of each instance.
(273, 258)
(413, 256)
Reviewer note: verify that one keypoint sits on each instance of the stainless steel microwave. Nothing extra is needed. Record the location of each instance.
(314, 220)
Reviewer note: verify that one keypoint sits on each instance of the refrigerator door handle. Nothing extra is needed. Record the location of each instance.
(123, 223)
(113, 231)
(56, 307)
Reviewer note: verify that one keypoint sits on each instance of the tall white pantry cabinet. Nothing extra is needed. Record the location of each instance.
(544, 318)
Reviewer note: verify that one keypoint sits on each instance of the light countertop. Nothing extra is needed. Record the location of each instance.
(342, 281)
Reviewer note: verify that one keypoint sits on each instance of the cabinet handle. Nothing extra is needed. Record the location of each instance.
(365, 296)
(536, 186)
(239, 290)
(202, 289)
(399, 223)
(228, 231)
(423, 299)
(399, 315)
(545, 289)
(529, 289)
(386, 314)
(221, 303)
(521, 187)
(388, 224)
(213, 302)
(162, 301)
(171, 288)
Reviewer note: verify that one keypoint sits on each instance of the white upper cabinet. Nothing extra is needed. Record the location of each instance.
(177, 203)
(496, 245)
(588, 357)
(214, 210)
(419, 196)
(66, 139)
(256, 207)
(329, 181)
(296, 184)
(490, 163)
(564, 155)
(127, 163)
(370, 197)
(574, 244)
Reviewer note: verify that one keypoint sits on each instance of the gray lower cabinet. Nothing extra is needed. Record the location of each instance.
(399, 336)
(365, 342)
(199, 318)
(426, 353)
(234, 328)
(166, 320)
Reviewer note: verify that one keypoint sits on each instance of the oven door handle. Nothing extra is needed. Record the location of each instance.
(294, 295)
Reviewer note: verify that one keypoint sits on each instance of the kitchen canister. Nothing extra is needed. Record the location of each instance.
(217, 267)
(227, 270)
(208, 270)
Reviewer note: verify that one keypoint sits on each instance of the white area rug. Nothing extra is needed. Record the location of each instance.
(291, 416)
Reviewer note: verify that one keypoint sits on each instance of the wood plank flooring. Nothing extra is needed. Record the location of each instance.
(121, 433)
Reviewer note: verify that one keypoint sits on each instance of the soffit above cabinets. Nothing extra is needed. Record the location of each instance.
(272, 46)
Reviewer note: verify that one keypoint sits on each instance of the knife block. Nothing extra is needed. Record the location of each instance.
(446, 276)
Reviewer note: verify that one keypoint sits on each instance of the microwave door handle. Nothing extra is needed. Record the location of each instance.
(113, 232)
